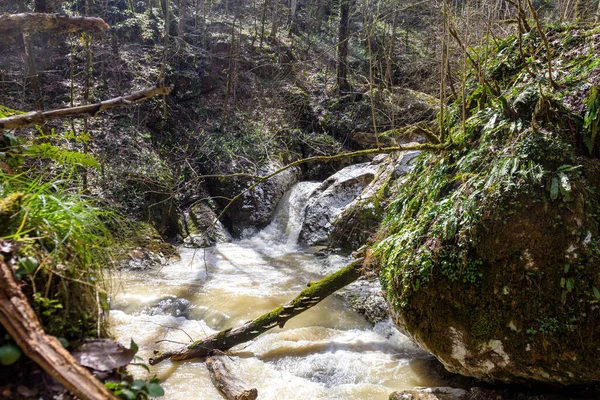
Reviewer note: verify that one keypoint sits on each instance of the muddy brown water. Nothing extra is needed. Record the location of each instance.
(328, 352)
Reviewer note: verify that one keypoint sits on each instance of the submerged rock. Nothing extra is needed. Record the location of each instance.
(173, 306)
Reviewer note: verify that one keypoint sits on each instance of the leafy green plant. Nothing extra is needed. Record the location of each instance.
(64, 252)
(9, 352)
(560, 182)
(137, 389)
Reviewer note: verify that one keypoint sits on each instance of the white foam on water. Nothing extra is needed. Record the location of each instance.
(328, 352)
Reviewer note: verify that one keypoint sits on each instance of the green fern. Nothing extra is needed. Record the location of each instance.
(60, 155)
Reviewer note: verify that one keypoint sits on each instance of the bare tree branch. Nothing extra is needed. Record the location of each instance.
(39, 117)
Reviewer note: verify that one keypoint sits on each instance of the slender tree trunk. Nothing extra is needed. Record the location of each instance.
(319, 15)
(443, 73)
(274, 19)
(343, 37)
(293, 7)
(40, 6)
(182, 18)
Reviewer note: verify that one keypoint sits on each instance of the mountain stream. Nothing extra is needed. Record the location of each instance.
(327, 352)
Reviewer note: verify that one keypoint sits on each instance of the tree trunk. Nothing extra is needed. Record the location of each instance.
(319, 16)
(309, 297)
(230, 386)
(14, 24)
(40, 6)
(274, 19)
(343, 36)
(182, 18)
(19, 320)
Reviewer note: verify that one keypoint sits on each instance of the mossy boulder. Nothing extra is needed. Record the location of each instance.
(490, 255)
(202, 226)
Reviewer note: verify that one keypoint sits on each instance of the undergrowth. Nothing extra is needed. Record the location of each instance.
(64, 238)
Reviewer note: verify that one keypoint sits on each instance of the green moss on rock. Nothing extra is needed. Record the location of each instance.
(489, 255)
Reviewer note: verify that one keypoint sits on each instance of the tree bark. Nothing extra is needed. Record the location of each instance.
(14, 24)
(274, 19)
(40, 6)
(309, 297)
(182, 18)
(343, 36)
(19, 320)
(39, 117)
(230, 386)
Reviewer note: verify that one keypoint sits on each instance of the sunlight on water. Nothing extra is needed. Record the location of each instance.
(328, 352)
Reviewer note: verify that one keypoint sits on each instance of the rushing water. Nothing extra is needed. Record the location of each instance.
(328, 352)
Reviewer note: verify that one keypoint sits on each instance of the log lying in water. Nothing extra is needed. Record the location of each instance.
(231, 387)
(19, 320)
(309, 297)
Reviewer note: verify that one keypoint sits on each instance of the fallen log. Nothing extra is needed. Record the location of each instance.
(309, 297)
(15, 24)
(230, 386)
(39, 117)
(20, 321)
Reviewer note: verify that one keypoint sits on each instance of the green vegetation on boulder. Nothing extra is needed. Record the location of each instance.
(490, 253)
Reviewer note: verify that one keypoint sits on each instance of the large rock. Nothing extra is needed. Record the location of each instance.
(330, 199)
(491, 253)
(255, 208)
(359, 220)
(202, 227)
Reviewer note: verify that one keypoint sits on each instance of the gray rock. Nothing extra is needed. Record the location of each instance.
(255, 209)
(173, 306)
(431, 393)
(364, 296)
(330, 199)
(141, 259)
(360, 219)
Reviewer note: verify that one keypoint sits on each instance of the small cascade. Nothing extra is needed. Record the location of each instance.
(328, 352)
(287, 221)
